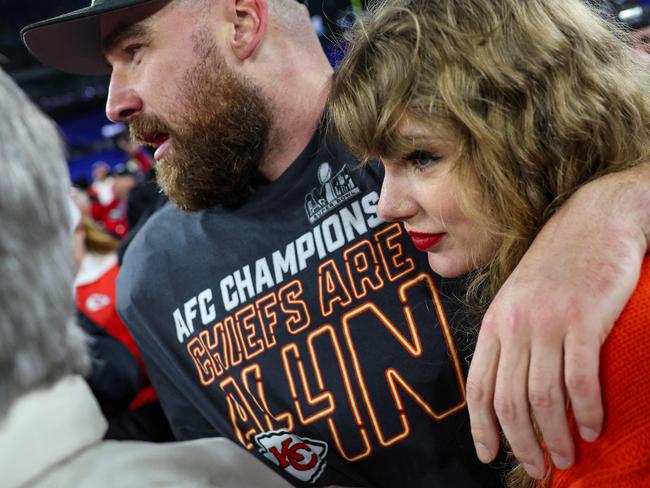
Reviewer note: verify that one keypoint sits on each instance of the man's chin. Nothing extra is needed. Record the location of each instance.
(193, 199)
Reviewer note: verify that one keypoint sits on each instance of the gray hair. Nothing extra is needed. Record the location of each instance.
(39, 341)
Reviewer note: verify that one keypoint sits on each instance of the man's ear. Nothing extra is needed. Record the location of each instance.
(250, 21)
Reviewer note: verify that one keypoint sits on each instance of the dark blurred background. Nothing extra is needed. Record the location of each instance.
(77, 102)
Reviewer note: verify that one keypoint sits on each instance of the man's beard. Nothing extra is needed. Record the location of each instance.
(220, 145)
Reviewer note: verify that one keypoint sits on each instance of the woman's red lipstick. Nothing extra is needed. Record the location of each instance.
(424, 242)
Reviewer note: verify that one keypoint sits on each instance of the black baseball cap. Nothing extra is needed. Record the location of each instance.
(72, 42)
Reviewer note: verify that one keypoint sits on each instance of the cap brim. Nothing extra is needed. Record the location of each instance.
(72, 42)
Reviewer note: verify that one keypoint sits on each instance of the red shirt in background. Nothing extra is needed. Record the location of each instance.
(95, 292)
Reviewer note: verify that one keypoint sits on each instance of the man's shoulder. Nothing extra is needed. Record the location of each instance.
(158, 235)
(171, 247)
(163, 221)
(155, 246)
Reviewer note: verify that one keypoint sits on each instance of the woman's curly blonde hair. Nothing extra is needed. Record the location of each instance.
(542, 95)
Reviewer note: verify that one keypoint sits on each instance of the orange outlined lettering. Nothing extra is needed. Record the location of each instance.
(413, 345)
(317, 363)
(202, 360)
(331, 288)
(398, 265)
(268, 317)
(246, 320)
(299, 318)
(220, 337)
(324, 401)
(331, 338)
(240, 411)
(236, 349)
(211, 343)
(444, 324)
(363, 268)
(253, 373)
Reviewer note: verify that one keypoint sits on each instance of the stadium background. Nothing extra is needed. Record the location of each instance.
(76, 103)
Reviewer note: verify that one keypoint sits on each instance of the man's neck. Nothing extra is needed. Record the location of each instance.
(297, 110)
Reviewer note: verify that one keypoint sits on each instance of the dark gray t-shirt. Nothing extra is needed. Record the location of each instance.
(307, 330)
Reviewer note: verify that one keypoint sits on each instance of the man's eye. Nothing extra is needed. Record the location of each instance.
(132, 49)
(422, 159)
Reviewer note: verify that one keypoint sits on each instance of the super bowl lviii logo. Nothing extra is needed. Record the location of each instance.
(334, 189)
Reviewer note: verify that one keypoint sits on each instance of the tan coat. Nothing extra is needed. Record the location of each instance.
(53, 438)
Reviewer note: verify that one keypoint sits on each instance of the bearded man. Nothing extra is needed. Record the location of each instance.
(271, 304)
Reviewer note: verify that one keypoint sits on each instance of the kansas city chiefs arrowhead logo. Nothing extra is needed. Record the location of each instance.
(97, 301)
(301, 457)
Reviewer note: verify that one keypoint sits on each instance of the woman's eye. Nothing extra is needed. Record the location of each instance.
(422, 159)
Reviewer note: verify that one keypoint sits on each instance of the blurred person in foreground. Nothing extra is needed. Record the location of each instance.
(50, 425)
(488, 116)
(273, 306)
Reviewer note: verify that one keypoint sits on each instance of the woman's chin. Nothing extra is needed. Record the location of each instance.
(447, 266)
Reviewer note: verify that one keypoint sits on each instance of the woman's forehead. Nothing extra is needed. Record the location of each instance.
(414, 131)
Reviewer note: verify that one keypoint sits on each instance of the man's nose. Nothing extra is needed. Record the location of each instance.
(123, 103)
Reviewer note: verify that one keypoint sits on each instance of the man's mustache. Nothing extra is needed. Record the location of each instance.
(147, 127)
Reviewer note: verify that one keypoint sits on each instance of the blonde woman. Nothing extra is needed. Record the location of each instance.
(487, 115)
